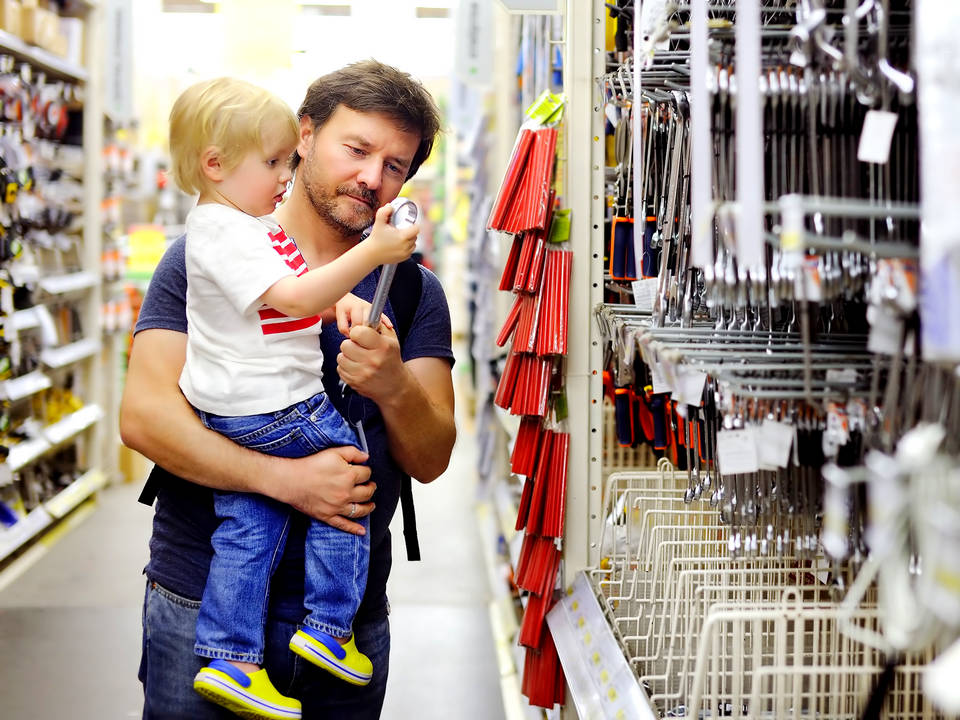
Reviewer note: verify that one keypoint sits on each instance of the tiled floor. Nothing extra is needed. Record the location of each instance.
(70, 624)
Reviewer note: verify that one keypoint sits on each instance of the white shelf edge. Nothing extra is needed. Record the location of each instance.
(25, 319)
(43, 59)
(26, 452)
(598, 675)
(75, 493)
(24, 386)
(29, 451)
(73, 424)
(64, 355)
(69, 282)
(25, 529)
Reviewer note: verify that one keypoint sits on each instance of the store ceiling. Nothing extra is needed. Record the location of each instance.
(341, 9)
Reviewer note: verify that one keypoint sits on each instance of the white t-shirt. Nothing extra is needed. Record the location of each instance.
(244, 358)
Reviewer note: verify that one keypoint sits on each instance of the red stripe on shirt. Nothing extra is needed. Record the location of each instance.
(288, 250)
(290, 325)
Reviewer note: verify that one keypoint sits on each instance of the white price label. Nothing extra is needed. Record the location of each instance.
(661, 377)
(876, 136)
(737, 451)
(842, 376)
(689, 387)
(775, 443)
(644, 293)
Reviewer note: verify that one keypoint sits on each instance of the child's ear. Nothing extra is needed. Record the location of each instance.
(210, 164)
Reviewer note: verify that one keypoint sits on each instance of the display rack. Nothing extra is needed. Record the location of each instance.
(61, 330)
(690, 606)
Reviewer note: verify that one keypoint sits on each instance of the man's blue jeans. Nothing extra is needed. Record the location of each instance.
(168, 665)
(250, 539)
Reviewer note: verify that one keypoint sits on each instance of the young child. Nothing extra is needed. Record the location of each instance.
(253, 374)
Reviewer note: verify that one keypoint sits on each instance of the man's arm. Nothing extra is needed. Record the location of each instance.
(415, 397)
(157, 421)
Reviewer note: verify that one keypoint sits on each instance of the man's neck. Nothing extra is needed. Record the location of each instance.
(317, 241)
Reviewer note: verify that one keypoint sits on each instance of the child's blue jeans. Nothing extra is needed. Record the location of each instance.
(250, 539)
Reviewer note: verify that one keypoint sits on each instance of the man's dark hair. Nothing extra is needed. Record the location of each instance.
(369, 86)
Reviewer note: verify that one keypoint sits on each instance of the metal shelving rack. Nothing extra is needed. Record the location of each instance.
(86, 357)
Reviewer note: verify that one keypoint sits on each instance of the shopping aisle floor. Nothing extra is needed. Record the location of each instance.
(70, 623)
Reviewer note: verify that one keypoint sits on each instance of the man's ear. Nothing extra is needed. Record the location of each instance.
(306, 136)
(210, 164)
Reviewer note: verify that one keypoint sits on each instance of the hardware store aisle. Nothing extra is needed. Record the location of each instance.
(70, 623)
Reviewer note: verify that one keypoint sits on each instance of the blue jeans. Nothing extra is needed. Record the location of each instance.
(250, 539)
(168, 665)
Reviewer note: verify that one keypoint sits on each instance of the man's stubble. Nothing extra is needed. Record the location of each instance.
(348, 223)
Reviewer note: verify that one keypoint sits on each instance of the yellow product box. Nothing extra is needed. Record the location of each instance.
(10, 16)
(59, 45)
(37, 25)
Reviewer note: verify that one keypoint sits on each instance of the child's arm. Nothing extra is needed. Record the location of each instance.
(320, 288)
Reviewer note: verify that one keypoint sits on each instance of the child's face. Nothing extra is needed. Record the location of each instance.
(258, 183)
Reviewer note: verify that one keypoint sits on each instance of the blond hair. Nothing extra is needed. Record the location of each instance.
(228, 114)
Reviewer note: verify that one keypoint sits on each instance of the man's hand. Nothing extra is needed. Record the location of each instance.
(352, 310)
(369, 361)
(331, 486)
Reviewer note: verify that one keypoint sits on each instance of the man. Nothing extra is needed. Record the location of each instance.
(364, 130)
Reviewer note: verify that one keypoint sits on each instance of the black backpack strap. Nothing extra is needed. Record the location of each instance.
(157, 478)
(404, 297)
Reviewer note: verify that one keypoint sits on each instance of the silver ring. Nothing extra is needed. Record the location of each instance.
(353, 510)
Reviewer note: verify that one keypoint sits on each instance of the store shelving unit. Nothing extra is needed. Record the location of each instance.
(80, 357)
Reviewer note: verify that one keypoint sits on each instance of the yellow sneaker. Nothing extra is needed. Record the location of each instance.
(344, 661)
(249, 696)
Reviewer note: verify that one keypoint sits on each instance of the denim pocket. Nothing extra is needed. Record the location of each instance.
(173, 597)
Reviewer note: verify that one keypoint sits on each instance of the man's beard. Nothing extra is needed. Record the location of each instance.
(347, 222)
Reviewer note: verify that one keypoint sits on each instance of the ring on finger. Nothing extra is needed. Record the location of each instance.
(353, 510)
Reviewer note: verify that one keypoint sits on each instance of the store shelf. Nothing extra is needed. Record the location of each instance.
(75, 493)
(73, 424)
(59, 357)
(506, 511)
(36, 521)
(600, 679)
(70, 282)
(42, 517)
(25, 453)
(22, 387)
(25, 319)
(41, 59)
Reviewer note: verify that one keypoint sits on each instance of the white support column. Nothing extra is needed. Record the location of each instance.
(749, 141)
(583, 192)
(701, 173)
(96, 391)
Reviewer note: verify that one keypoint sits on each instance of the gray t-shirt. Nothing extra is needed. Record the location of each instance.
(184, 520)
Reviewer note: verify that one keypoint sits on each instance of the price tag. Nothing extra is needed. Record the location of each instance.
(886, 331)
(644, 292)
(842, 376)
(661, 379)
(737, 451)
(775, 442)
(875, 138)
(689, 386)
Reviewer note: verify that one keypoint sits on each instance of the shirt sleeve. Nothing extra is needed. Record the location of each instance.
(165, 303)
(234, 258)
(430, 333)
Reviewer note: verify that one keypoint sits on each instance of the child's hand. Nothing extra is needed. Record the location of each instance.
(391, 245)
(352, 310)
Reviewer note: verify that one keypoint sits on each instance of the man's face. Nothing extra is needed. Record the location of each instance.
(352, 165)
